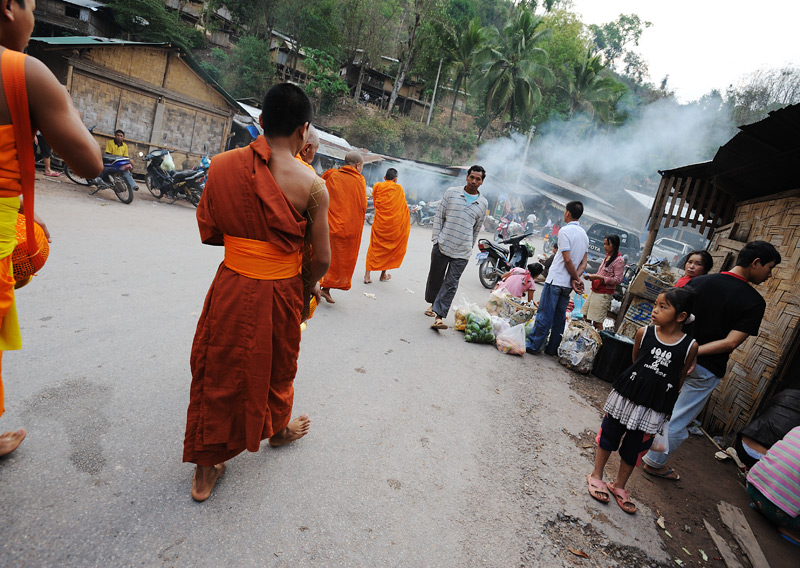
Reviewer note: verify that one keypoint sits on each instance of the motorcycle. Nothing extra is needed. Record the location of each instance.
(424, 213)
(506, 228)
(175, 184)
(549, 240)
(495, 260)
(116, 175)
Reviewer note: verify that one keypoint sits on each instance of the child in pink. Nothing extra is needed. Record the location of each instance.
(517, 281)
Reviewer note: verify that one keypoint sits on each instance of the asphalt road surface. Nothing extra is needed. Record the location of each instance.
(424, 450)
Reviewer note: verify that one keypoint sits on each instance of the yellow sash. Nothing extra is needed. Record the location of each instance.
(10, 338)
(260, 260)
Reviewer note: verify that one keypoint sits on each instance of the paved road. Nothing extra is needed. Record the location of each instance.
(424, 450)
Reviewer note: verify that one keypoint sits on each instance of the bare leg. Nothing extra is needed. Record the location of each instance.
(367, 279)
(205, 477)
(600, 460)
(296, 429)
(326, 293)
(385, 276)
(624, 474)
(46, 162)
(10, 441)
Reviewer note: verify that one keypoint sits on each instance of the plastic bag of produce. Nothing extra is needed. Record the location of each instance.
(479, 327)
(462, 306)
(499, 325)
(512, 340)
(579, 346)
(496, 302)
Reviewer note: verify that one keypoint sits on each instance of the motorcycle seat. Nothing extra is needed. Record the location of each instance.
(181, 175)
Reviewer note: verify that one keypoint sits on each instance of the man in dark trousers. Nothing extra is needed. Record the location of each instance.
(458, 221)
(728, 309)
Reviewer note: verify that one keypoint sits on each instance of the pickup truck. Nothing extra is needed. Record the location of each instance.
(629, 245)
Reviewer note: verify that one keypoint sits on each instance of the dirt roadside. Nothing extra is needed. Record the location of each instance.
(684, 504)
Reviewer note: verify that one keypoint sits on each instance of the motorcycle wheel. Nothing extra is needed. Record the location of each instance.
(369, 218)
(414, 218)
(75, 178)
(152, 187)
(121, 189)
(193, 193)
(548, 246)
(487, 272)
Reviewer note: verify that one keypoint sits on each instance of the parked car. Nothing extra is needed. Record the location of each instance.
(670, 249)
(629, 245)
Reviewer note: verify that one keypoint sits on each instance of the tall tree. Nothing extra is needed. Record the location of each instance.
(613, 38)
(590, 91)
(467, 47)
(517, 69)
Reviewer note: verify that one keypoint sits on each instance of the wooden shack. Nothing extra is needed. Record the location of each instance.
(749, 191)
(154, 92)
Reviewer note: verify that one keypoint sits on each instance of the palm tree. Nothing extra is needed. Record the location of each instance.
(466, 50)
(590, 91)
(514, 74)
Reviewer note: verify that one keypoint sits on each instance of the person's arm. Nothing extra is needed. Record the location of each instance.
(53, 113)
(109, 149)
(439, 218)
(733, 340)
(617, 268)
(476, 228)
(320, 240)
(689, 364)
(637, 342)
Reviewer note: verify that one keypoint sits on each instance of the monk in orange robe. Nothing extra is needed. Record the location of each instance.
(348, 194)
(266, 209)
(49, 109)
(389, 238)
(306, 155)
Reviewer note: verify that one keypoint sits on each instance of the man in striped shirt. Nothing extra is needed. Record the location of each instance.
(458, 221)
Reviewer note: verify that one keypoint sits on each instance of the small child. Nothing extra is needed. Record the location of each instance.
(518, 280)
(645, 393)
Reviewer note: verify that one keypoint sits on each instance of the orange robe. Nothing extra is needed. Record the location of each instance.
(347, 190)
(306, 164)
(244, 355)
(389, 238)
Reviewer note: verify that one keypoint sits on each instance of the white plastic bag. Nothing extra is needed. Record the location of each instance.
(461, 307)
(496, 302)
(512, 340)
(579, 346)
(168, 164)
(499, 325)
(661, 440)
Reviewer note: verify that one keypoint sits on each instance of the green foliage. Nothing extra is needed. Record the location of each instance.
(249, 70)
(149, 20)
(326, 86)
(611, 38)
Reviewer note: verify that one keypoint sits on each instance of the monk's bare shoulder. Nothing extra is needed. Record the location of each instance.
(295, 179)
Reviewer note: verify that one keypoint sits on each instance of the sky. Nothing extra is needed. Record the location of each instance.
(706, 44)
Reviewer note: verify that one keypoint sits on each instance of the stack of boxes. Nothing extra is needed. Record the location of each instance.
(645, 288)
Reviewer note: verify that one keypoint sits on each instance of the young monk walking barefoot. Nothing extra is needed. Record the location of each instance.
(31, 98)
(269, 211)
(389, 238)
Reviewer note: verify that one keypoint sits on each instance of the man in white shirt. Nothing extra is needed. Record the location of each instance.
(564, 277)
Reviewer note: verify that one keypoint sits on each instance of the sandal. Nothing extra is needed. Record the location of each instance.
(623, 498)
(670, 474)
(598, 489)
(438, 324)
(430, 313)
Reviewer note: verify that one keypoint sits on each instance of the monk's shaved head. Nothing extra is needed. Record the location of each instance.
(313, 137)
(353, 159)
(391, 174)
(285, 108)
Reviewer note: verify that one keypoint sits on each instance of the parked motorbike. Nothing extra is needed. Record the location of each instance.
(174, 184)
(495, 260)
(505, 229)
(116, 175)
(549, 241)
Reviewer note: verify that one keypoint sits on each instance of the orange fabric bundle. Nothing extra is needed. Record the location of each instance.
(347, 190)
(389, 238)
(260, 260)
(25, 265)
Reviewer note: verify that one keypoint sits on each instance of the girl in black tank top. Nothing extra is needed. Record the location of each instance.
(645, 393)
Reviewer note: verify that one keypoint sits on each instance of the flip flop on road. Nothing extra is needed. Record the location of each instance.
(597, 489)
(623, 498)
(430, 313)
(670, 474)
(438, 324)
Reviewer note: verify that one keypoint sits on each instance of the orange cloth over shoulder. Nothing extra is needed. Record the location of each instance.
(347, 191)
(306, 164)
(389, 238)
(245, 349)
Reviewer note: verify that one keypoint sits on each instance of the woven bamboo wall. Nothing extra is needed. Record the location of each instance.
(752, 366)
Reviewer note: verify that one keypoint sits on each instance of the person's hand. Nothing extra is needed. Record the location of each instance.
(577, 286)
(315, 291)
(41, 223)
(692, 366)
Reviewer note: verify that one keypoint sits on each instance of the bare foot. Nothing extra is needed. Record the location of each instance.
(205, 477)
(325, 293)
(10, 441)
(385, 277)
(296, 429)
(367, 279)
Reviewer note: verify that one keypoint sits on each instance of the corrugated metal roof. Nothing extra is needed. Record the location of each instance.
(90, 4)
(761, 160)
(90, 41)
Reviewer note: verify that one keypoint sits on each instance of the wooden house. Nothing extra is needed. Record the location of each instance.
(749, 191)
(154, 92)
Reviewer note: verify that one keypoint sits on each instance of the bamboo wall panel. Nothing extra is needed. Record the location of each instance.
(752, 367)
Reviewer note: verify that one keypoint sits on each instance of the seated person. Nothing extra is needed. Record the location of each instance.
(779, 415)
(774, 485)
(518, 280)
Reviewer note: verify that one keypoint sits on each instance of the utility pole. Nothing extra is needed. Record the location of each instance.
(524, 157)
(433, 97)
